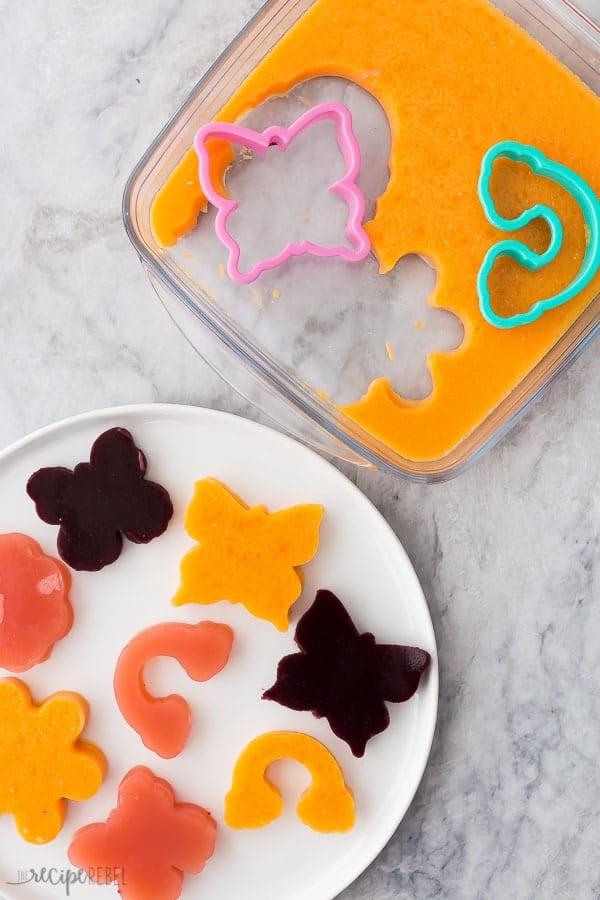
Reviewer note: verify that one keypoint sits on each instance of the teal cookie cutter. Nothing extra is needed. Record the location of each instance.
(529, 259)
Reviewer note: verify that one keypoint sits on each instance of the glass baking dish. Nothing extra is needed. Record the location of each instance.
(284, 341)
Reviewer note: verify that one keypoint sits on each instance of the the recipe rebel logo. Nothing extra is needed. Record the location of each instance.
(69, 878)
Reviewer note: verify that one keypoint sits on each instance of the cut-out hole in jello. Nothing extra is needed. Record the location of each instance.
(369, 123)
(297, 157)
(514, 189)
(379, 327)
(284, 197)
(337, 326)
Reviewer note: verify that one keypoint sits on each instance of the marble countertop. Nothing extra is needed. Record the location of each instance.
(507, 553)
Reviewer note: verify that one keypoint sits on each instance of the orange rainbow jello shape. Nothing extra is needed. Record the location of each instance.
(149, 842)
(164, 723)
(42, 761)
(253, 802)
(246, 555)
(35, 611)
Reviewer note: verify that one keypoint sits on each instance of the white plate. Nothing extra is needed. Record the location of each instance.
(359, 558)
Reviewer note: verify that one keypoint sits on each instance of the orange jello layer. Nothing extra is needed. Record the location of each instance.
(454, 79)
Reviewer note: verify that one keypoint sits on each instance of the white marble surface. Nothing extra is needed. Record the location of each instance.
(507, 554)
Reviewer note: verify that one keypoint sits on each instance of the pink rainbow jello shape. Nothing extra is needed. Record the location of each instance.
(35, 611)
(148, 843)
(164, 723)
(279, 136)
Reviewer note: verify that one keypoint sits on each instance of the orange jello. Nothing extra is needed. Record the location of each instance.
(246, 555)
(42, 761)
(454, 78)
(253, 801)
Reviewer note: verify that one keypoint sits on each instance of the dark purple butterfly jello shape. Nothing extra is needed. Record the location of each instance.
(345, 676)
(99, 501)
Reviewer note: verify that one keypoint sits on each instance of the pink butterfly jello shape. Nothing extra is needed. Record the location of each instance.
(282, 137)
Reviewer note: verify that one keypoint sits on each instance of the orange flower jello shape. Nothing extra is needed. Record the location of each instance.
(42, 761)
(35, 611)
(246, 555)
(148, 842)
(253, 802)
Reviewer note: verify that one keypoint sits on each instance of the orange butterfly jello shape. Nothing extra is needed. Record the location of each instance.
(35, 611)
(148, 842)
(42, 761)
(253, 802)
(246, 555)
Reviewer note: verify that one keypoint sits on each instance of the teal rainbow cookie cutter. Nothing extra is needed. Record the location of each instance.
(529, 259)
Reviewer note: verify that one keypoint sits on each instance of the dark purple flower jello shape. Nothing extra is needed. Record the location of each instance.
(99, 501)
(345, 676)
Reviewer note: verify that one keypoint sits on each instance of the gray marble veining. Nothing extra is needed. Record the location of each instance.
(507, 554)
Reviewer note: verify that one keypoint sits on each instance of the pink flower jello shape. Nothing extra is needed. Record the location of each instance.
(149, 842)
(35, 611)
(282, 137)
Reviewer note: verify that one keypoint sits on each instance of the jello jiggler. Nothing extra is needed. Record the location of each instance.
(164, 723)
(253, 801)
(148, 843)
(454, 78)
(345, 676)
(246, 556)
(42, 761)
(99, 501)
(35, 611)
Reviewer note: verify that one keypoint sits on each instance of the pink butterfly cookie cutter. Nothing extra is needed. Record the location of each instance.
(282, 137)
